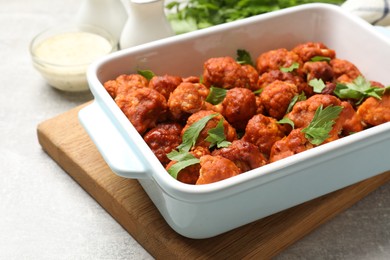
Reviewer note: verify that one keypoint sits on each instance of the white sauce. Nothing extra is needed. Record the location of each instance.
(65, 58)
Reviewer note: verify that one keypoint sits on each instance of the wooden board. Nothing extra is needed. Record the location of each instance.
(64, 139)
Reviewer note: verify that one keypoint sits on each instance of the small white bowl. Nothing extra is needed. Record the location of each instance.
(63, 54)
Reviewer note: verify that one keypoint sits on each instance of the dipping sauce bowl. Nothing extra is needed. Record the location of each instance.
(62, 54)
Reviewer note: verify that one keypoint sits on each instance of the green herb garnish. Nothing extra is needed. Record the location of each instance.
(294, 100)
(148, 74)
(216, 95)
(201, 79)
(179, 156)
(182, 155)
(319, 128)
(293, 66)
(286, 120)
(244, 57)
(320, 58)
(359, 89)
(192, 133)
(217, 137)
(317, 84)
(258, 91)
(184, 159)
(178, 166)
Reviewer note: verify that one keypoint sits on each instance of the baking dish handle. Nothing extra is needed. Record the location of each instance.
(118, 155)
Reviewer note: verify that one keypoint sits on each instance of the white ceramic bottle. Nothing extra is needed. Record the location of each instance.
(146, 22)
(110, 15)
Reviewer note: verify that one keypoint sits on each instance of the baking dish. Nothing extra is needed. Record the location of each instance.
(208, 210)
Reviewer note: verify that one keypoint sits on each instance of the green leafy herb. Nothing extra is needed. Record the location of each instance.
(320, 58)
(286, 120)
(359, 89)
(192, 133)
(148, 74)
(201, 79)
(179, 156)
(216, 136)
(182, 155)
(184, 160)
(191, 15)
(293, 66)
(294, 100)
(216, 95)
(320, 126)
(258, 92)
(317, 84)
(244, 57)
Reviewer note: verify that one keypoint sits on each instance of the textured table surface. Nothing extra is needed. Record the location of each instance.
(44, 214)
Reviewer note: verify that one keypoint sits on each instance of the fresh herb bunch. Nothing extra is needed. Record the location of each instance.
(191, 15)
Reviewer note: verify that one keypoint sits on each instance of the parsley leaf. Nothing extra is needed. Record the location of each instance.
(320, 58)
(182, 155)
(180, 165)
(175, 155)
(148, 74)
(317, 84)
(216, 136)
(216, 95)
(320, 126)
(244, 57)
(294, 100)
(358, 89)
(286, 120)
(201, 79)
(293, 66)
(192, 133)
(258, 91)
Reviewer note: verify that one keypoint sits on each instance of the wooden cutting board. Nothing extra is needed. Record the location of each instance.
(64, 139)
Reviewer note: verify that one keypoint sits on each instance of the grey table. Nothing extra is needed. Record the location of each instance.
(44, 214)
